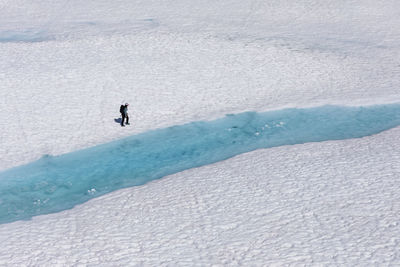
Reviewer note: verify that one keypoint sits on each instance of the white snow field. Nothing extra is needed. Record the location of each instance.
(65, 67)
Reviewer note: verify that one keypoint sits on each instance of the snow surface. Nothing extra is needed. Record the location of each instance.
(203, 60)
(65, 66)
(329, 203)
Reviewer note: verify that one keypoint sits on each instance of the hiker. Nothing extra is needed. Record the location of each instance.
(124, 114)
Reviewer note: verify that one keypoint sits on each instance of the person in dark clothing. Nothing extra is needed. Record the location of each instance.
(124, 114)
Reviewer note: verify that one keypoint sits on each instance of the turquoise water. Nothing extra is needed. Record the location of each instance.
(53, 184)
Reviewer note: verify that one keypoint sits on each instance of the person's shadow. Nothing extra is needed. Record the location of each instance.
(118, 120)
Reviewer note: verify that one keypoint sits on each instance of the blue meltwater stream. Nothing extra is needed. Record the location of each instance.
(56, 183)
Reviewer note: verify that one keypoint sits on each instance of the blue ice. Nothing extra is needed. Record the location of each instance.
(56, 183)
(25, 36)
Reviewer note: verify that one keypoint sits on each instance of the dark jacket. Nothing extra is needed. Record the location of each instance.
(124, 110)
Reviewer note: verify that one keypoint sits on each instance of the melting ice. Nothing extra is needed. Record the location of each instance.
(53, 184)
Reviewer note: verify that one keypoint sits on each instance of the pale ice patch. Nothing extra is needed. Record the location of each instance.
(76, 30)
(26, 36)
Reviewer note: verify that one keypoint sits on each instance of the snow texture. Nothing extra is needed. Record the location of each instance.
(330, 203)
(203, 61)
(65, 66)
